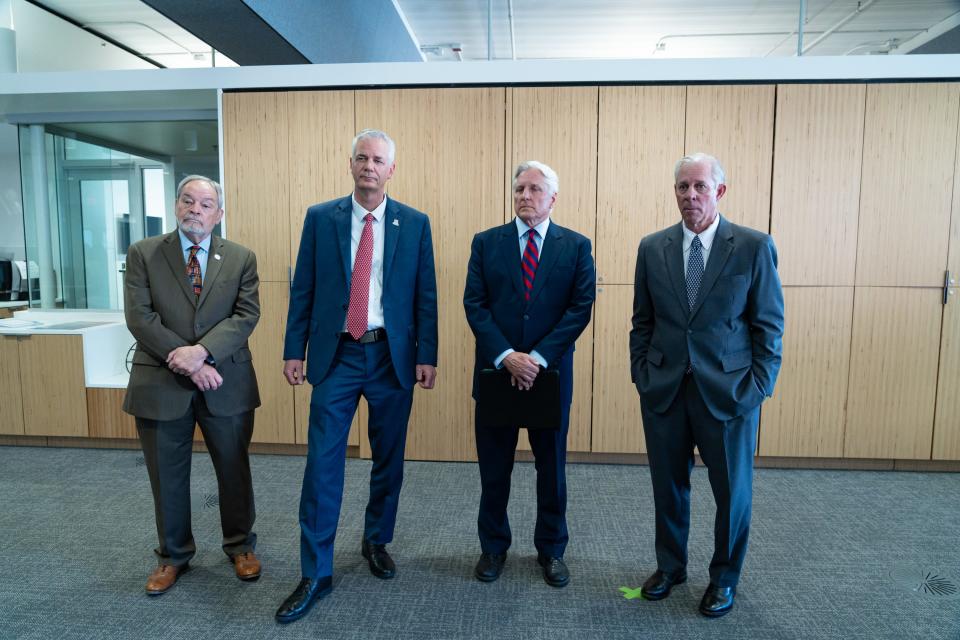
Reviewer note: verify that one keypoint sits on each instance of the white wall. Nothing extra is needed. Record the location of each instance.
(47, 43)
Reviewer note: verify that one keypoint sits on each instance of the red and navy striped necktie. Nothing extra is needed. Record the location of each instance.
(531, 258)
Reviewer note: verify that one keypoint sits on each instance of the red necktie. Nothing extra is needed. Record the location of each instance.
(360, 281)
(193, 271)
(531, 257)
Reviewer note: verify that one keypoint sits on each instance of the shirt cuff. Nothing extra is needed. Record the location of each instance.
(498, 363)
(539, 358)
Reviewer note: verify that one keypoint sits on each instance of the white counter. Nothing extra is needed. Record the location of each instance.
(106, 340)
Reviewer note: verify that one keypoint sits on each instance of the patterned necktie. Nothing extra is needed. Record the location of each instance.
(531, 258)
(193, 271)
(360, 281)
(694, 271)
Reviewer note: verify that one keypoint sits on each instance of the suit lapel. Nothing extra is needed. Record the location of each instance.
(719, 252)
(553, 245)
(393, 222)
(510, 249)
(173, 253)
(343, 223)
(215, 260)
(673, 258)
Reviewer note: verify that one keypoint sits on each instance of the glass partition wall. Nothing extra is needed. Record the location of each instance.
(86, 200)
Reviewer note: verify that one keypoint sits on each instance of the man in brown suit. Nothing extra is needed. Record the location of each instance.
(191, 302)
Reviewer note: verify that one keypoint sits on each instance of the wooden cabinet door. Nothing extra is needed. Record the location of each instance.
(805, 417)
(274, 419)
(11, 402)
(816, 182)
(256, 178)
(735, 125)
(54, 391)
(909, 150)
(893, 373)
(617, 426)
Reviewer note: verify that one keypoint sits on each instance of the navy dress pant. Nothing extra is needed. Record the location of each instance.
(358, 370)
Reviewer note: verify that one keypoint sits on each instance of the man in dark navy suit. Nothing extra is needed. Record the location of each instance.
(705, 350)
(363, 312)
(530, 290)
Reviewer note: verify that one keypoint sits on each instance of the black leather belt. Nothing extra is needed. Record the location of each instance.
(374, 335)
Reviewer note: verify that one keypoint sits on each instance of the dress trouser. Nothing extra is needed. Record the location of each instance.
(167, 451)
(495, 454)
(358, 369)
(727, 449)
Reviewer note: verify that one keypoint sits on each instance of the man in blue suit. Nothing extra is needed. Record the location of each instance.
(530, 290)
(705, 350)
(363, 312)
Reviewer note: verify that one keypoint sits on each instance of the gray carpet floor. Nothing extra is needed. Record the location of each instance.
(833, 554)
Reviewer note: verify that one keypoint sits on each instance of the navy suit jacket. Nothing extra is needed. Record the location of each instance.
(560, 304)
(732, 336)
(320, 293)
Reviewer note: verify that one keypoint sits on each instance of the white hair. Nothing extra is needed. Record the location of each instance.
(549, 175)
(379, 135)
(716, 171)
(213, 183)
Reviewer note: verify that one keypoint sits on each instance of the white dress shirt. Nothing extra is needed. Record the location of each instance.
(706, 241)
(375, 300)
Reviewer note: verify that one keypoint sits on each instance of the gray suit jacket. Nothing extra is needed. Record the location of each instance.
(162, 313)
(732, 336)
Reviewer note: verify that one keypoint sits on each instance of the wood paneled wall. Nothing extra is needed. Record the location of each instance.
(857, 183)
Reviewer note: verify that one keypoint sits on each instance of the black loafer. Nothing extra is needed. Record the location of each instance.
(717, 601)
(490, 566)
(299, 602)
(381, 564)
(555, 571)
(658, 586)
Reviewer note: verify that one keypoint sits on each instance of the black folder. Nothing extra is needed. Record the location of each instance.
(500, 404)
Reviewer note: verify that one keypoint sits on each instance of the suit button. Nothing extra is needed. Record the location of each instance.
(689, 332)
(346, 307)
(526, 317)
(196, 328)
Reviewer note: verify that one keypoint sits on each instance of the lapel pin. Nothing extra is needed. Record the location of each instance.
(396, 222)
(216, 256)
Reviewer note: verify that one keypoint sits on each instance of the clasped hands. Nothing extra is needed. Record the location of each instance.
(523, 369)
(190, 361)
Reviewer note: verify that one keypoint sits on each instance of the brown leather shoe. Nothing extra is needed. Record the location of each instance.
(164, 577)
(246, 565)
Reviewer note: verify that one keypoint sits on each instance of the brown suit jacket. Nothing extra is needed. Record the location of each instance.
(162, 313)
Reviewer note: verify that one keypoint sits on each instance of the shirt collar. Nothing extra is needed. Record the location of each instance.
(706, 236)
(186, 243)
(541, 228)
(360, 213)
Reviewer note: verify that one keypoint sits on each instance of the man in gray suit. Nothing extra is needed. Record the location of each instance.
(705, 350)
(191, 301)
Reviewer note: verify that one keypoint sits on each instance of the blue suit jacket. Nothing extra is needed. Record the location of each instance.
(732, 336)
(559, 309)
(321, 289)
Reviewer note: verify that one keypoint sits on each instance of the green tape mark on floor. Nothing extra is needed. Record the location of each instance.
(632, 594)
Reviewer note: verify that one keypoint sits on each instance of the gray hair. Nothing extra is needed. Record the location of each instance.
(549, 175)
(379, 135)
(716, 171)
(213, 183)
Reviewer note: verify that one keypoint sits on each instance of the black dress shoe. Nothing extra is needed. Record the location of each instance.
(555, 571)
(381, 564)
(489, 566)
(717, 601)
(299, 602)
(658, 586)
